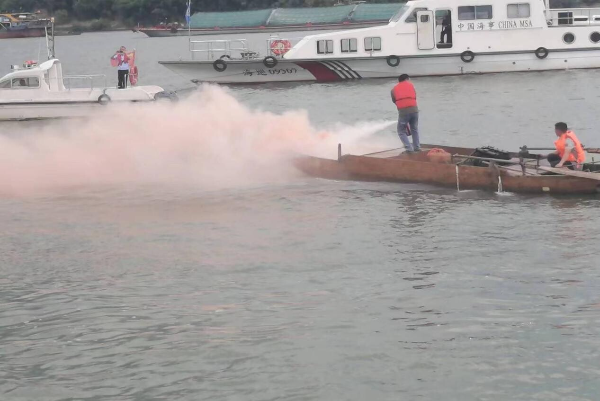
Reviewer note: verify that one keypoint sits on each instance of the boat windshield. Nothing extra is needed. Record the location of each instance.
(400, 13)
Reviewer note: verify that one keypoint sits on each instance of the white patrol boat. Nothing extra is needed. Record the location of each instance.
(426, 37)
(41, 92)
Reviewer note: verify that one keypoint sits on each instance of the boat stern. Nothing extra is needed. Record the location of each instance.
(321, 168)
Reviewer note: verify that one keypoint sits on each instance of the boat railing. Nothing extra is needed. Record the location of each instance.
(84, 81)
(213, 49)
(278, 46)
(573, 16)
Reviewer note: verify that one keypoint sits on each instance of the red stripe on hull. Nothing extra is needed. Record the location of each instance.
(319, 71)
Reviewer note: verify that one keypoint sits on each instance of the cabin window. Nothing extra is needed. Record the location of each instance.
(519, 10)
(568, 38)
(349, 45)
(474, 12)
(324, 46)
(565, 18)
(413, 17)
(5, 84)
(400, 13)
(372, 44)
(28, 82)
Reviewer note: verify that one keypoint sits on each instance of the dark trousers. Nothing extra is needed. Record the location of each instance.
(447, 33)
(123, 79)
(554, 159)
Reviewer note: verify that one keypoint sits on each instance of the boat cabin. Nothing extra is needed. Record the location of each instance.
(431, 27)
(46, 77)
(22, 20)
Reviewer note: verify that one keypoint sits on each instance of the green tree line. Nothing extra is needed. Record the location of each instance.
(154, 11)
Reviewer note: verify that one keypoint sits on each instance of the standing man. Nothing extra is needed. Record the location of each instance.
(446, 29)
(405, 98)
(122, 60)
(569, 151)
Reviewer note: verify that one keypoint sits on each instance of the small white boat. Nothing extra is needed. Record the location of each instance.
(425, 38)
(42, 92)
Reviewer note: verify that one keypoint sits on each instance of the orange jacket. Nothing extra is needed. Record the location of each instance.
(404, 95)
(577, 154)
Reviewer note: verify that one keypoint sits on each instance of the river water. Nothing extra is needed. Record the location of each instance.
(170, 254)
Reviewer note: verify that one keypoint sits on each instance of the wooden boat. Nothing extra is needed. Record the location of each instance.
(457, 167)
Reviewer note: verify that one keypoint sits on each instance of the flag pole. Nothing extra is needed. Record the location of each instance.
(188, 16)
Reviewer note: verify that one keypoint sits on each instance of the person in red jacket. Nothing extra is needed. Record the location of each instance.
(122, 63)
(404, 97)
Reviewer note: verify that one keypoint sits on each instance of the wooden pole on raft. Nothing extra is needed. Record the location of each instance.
(588, 150)
(571, 173)
(457, 156)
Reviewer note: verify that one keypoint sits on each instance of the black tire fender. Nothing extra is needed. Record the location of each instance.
(220, 65)
(541, 53)
(467, 56)
(104, 99)
(393, 61)
(270, 61)
(174, 29)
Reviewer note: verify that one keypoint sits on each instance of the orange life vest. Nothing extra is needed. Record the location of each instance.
(577, 154)
(405, 95)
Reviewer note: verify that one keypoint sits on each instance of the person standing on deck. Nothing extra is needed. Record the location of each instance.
(569, 151)
(446, 29)
(122, 66)
(404, 97)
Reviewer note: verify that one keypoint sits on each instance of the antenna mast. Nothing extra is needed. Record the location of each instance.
(50, 39)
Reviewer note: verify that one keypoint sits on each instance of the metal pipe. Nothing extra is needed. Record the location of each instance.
(383, 151)
(487, 159)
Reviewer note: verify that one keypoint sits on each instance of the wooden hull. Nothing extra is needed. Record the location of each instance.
(417, 168)
(22, 33)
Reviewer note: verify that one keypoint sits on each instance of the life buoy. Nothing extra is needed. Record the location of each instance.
(467, 56)
(133, 75)
(220, 65)
(280, 47)
(270, 61)
(541, 53)
(437, 155)
(104, 99)
(393, 61)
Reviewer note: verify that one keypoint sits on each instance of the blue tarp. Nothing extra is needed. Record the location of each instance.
(295, 16)
(233, 19)
(375, 12)
(317, 15)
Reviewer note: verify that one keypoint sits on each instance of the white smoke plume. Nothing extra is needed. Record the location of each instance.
(209, 140)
